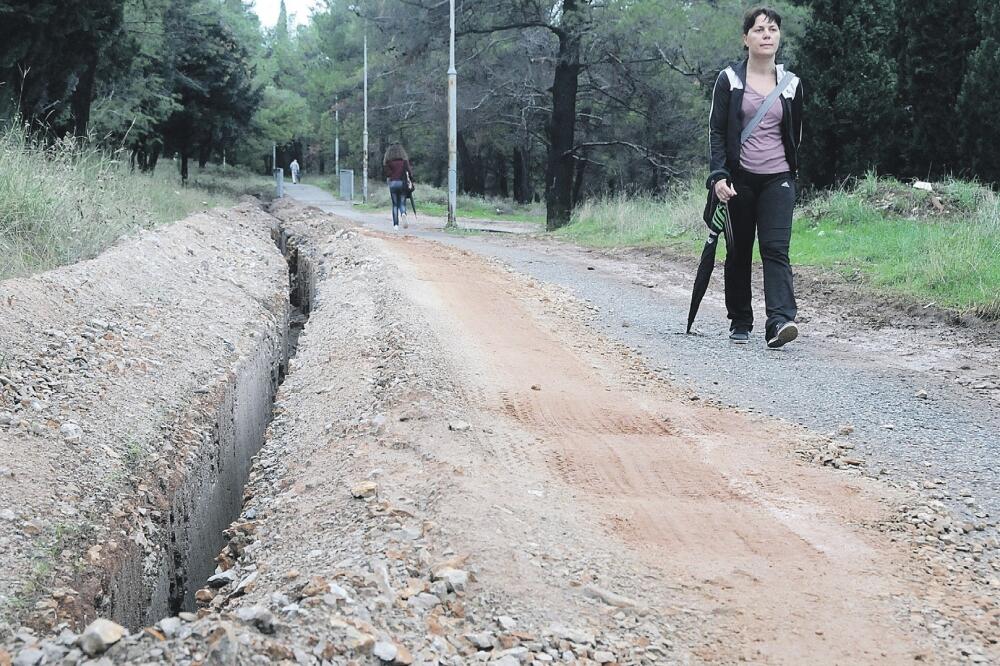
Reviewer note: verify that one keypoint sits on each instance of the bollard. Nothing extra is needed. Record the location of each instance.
(279, 183)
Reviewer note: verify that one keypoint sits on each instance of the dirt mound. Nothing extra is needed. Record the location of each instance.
(110, 373)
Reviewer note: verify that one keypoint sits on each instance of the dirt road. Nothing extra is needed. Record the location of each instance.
(463, 467)
(711, 501)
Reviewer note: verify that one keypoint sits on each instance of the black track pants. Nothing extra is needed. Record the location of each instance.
(762, 206)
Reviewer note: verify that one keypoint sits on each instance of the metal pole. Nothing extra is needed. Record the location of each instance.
(336, 142)
(452, 122)
(364, 134)
(274, 156)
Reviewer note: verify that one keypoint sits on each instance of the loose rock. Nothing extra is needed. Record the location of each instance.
(100, 635)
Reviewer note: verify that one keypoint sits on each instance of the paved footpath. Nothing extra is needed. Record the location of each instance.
(946, 444)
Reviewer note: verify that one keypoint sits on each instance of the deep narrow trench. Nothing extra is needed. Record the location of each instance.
(300, 286)
(210, 496)
(300, 295)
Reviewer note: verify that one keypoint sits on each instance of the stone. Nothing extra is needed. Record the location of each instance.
(385, 651)
(364, 490)
(424, 600)
(506, 623)
(67, 638)
(403, 656)
(456, 579)
(507, 660)
(339, 593)
(359, 641)
(223, 579)
(459, 426)
(608, 597)
(71, 432)
(572, 635)
(316, 586)
(259, 617)
(170, 626)
(247, 584)
(100, 635)
(223, 646)
(28, 657)
(603, 657)
(8, 515)
(921, 394)
(204, 595)
(482, 640)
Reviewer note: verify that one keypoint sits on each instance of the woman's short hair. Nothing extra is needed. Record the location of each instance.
(395, 152)
(751, 17)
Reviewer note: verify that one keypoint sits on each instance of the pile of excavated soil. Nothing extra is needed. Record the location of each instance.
(105, 367)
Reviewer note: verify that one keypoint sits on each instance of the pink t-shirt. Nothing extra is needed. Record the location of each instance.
(764, 152)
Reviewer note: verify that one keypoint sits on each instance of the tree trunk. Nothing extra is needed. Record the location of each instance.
(519, 176)
(470, 169)
(578, 182)
(204, 152)
(503, 188)
(184, 167)
(562, 125)
(83, 95)
(522, 176)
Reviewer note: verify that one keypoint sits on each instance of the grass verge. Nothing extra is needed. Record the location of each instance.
(64, 202)
(940, 247)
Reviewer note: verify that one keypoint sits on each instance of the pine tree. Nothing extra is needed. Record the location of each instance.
(849, 83)
(281, 27)
(980, 134)
(932, 64)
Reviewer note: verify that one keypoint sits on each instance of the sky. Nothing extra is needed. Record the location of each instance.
(267, 10)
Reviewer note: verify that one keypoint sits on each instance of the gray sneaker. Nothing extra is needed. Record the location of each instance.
(783, 335)
(740, 336)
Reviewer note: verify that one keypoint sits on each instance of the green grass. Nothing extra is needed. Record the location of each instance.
(64, 202)
(887, 233)
(894, 236)
(640, 221)
(433, 201)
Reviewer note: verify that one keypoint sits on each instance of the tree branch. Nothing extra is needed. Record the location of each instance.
(514, 26)
(648, 154)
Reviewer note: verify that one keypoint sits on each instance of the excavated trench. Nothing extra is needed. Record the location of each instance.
(149, 584)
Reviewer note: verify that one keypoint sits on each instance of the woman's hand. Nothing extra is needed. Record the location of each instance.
(724, 190)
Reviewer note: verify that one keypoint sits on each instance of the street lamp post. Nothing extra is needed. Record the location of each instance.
(364, 134)
(452, 121)
(336, 141)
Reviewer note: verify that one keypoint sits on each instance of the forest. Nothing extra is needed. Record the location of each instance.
(559, 100)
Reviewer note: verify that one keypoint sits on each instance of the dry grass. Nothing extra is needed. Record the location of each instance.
(67, 201)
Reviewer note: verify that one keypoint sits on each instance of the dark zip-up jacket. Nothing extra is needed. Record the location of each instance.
(396, 169)
(725, 122)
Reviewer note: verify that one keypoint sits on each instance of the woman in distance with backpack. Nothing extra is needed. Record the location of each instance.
(755, 127)
(396, 167)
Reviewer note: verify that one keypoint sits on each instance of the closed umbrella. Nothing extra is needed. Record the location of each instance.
(707, 262)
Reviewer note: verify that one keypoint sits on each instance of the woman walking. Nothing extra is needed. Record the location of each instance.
(755, 126)
(396, 167)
